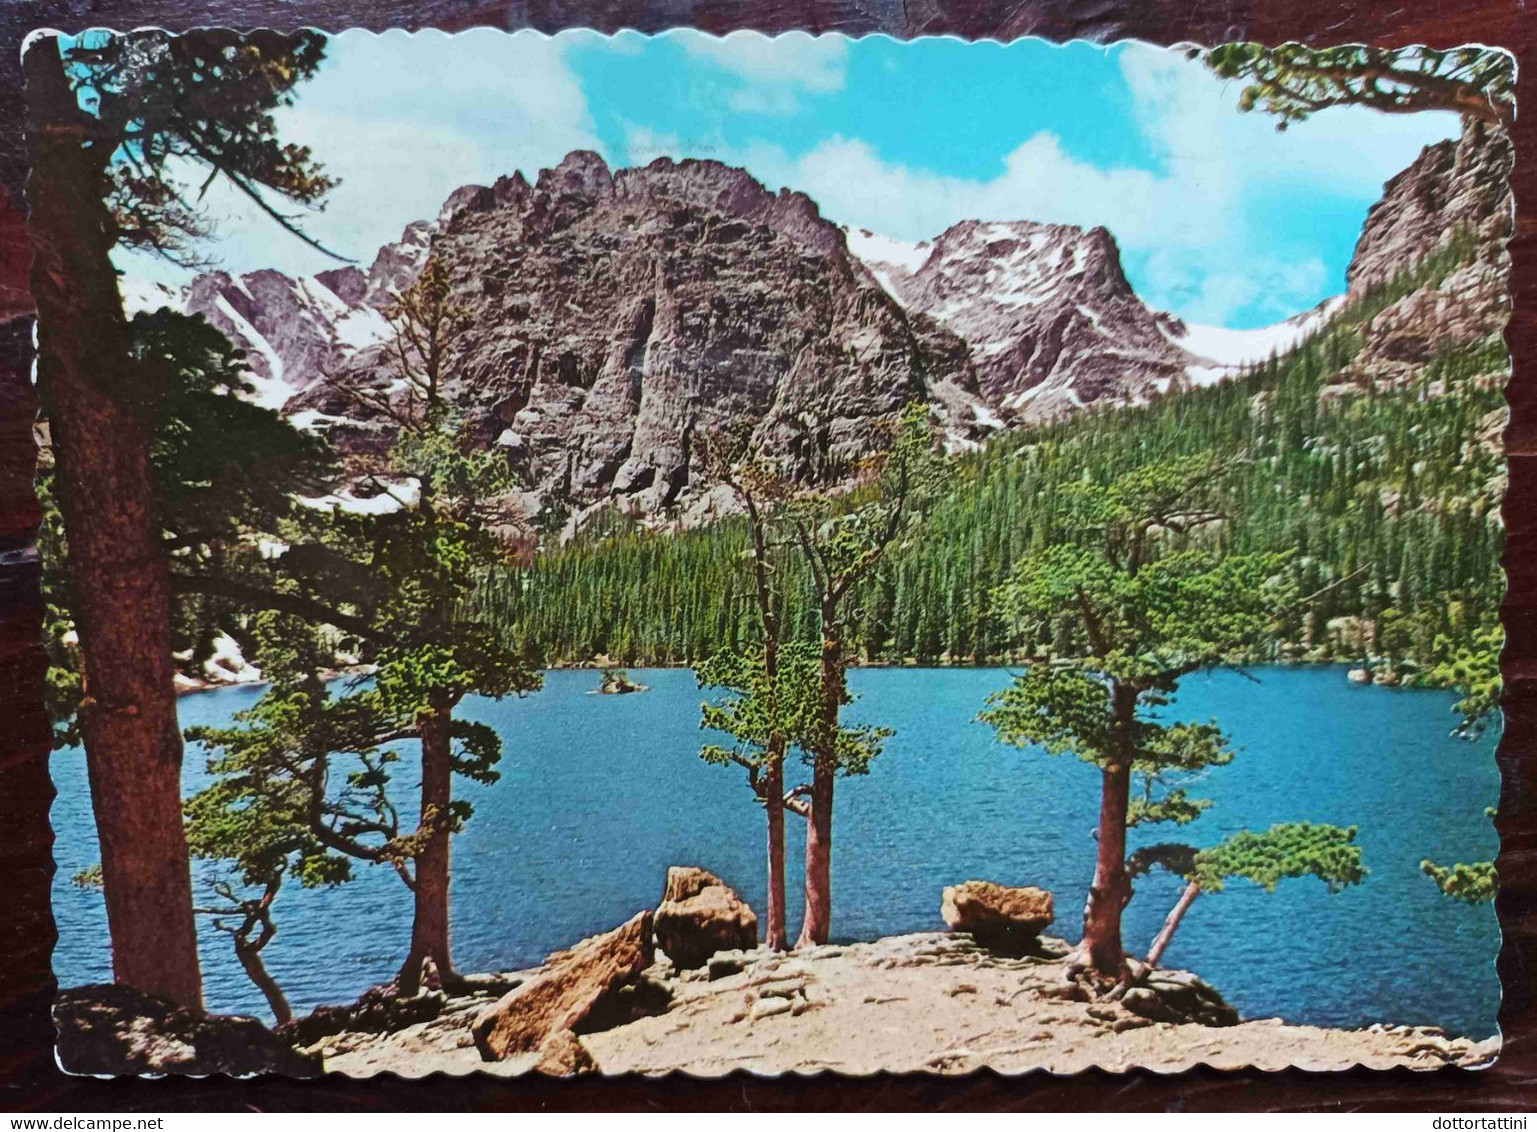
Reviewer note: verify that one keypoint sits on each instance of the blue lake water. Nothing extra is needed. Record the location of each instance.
(599, 794)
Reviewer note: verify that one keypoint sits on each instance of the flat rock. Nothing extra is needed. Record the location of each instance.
(561, 995)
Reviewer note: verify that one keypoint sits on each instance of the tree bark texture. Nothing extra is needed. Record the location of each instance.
(429, 926)
(100, 415)
(1171, 923)
(1111, 888)
(819, 826)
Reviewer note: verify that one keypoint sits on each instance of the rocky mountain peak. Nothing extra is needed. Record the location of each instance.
(1455, 186)
(617, 313)
(1456, 190)
(1046, 309)
(620, 313)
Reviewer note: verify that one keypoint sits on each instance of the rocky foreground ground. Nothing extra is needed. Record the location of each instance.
(687, 988)
(928, 1003)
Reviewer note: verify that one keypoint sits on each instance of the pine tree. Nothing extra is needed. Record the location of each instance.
(426, 558)
(1294, 81)
(114, 122)
(259, 822)
(761, 717)
(841, 542)
(1143, 605)
(1292, 849)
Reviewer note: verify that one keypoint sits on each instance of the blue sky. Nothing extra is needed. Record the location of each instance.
(1220, 218)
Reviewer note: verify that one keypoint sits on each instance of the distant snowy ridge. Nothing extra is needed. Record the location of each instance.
(1234, 348)
(294, 331)
(882, 255)
(1051, 321)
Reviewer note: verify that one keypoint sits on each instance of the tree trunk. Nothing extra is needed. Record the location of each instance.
(1171, 923)
(429, 926)
(100, 416)
(250, 958)
(774, 788)
(774, 935)
(1111, 889)
(819, 826)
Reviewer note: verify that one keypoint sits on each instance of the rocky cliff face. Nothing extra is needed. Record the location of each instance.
(1461, 185)
(295, 330)
(1051, 322)
(620, 315)
(1455, 192)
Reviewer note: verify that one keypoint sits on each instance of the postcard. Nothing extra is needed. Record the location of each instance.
(637, 554)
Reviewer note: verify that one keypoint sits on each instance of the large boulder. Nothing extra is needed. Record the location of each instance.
(110, 1029)
(700, 915)
(543, 1013)
(997, 916)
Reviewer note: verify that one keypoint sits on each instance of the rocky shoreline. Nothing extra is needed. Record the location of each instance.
(930, 1003)
(686, 988)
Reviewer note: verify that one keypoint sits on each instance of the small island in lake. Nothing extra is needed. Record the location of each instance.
(617, 682)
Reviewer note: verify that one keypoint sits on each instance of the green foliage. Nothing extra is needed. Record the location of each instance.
(843, 535)
(277, 806)
(754, 715)
(750, 716)
(214, 500)
(1472, 667)
(1190, 609)
(1175, 807)
(1290, 849)
(1116, 617)
(177, 111)
(1385, 498)
(209, 489)
(1477, 883)
(64, 685)
(396, 582)
(1286, 850)
(1293, 81)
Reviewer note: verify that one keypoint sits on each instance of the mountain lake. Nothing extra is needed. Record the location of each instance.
(600, 794)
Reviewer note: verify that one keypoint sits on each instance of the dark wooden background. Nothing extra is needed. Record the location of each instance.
(27, 1070)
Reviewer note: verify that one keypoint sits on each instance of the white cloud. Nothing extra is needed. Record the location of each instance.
(1039, 182)
(773, 72)
(1192, 123)
(795, 59)
(404, 120)
(1185, 217)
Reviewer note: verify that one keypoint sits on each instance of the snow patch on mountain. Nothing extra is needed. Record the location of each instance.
(140, 296)
(362, 328)
(887, 258)
(271, 391)
(1050, 321)
(1233, 348)
(393, 496)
